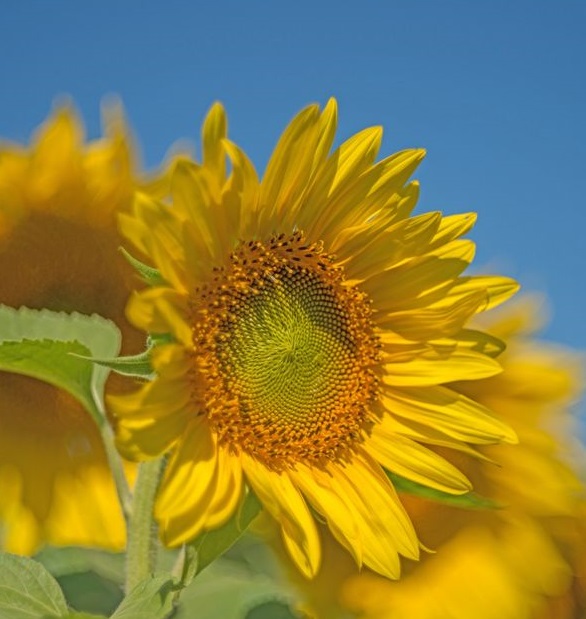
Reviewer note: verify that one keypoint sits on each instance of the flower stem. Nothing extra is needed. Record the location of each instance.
(115, 462)
(141, 552)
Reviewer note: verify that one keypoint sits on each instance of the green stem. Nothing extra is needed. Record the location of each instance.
(141, 552)
(115, 462)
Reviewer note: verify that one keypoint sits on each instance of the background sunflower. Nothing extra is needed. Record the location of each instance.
(59, 199)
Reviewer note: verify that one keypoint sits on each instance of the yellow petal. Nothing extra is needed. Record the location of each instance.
(327, 130)
(447, 410)
(355, 156)
(325, 495)
(452, 227)
(340, 183)
(432, 436)
(395, 171)
(286, 505)
(290, 166)
(213, 133)
(157, 425)
(56, 163)
(86, 511)
(409, 459)
(161, 310)
(435, 321)
(497, 289)
(135, 230)
(229, 489)
(241, 194)
(365, 255)
(191, 475)
(436, 369)
(193, 196)
(162, 239)
(386, 530)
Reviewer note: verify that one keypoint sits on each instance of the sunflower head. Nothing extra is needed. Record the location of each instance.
(59, 250)
(314, 324)
(525, 559)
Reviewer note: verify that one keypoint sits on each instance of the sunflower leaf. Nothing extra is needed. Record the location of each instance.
(275, 609)
(212, 544)
(65, 561)
(152, 598)
(159, 339)
(149, 275)
(138, 366)
(469, 500)
(75, 615)
(90, 593)
(52, 346)
(28, 591)
(189, 565)
(234, 590)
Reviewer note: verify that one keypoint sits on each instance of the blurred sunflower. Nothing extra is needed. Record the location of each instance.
(59, 249)
(314, 323)
(524, 560)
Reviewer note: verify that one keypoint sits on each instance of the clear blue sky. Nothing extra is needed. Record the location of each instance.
(495, 91)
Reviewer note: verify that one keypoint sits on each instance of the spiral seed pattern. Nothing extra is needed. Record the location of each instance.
(285, 353)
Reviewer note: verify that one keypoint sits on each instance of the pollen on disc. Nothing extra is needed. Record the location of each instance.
(284, 354)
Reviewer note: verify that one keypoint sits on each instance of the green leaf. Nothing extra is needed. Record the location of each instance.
(212, 544)
(149, 275)
(28, 591)
(75, 615)
(91, 579)
(469, 500)
(188, 565)
(64, 561)
(274, 609)
(150, 599)
(138, 366)
(47, 345)
(229, 590)
(159, 339)
(91, 593)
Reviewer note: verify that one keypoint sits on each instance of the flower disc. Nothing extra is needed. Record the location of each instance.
(287, 351)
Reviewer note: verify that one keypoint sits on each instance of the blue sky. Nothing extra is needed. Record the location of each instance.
(494, 90)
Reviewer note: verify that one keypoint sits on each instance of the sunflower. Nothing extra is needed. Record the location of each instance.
(525, 559)
(313, 323)
(59, 249)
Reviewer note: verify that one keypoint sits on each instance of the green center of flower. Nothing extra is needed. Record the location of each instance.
(288, 347)
(287, 352)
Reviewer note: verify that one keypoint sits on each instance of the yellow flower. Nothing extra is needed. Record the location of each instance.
(526, 559)
(59, 249)
(306, 309)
